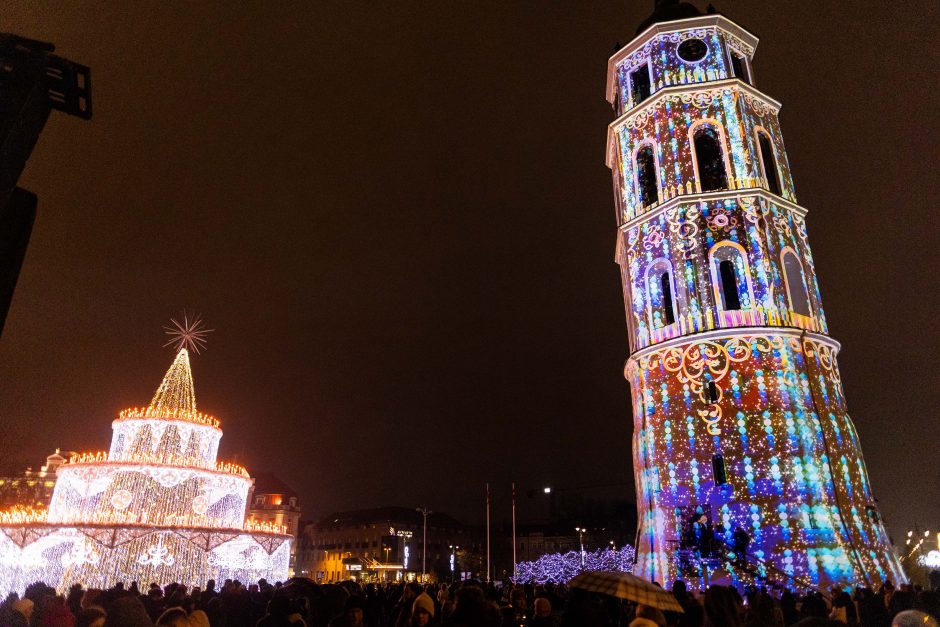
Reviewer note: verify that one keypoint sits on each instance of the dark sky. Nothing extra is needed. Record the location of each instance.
(398, 219)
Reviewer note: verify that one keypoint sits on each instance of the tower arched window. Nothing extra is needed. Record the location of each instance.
(796, 284)
(731, 276)
(709, 158)
(769, 162)
(640, 84)
(646, 176)
(660, 294)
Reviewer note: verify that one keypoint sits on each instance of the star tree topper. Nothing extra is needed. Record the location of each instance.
(189, 334)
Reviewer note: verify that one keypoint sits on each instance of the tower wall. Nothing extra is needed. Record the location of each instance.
(738, 406)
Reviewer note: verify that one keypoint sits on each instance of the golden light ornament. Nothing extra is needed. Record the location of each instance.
(156, 507)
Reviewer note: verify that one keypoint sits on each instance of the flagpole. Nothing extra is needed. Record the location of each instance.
(513, 529)
(487, 533)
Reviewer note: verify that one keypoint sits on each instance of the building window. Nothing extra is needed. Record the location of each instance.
(646, 176)
(709, 159)
(739, 67)
(640, 86)
(796, 285)
(731, 277)
(718, 469)
(768, 162)
(660, 293)
(712, 392)
(729, 285)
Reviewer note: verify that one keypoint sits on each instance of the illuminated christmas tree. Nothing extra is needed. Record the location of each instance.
(157, 507)
(739, 413)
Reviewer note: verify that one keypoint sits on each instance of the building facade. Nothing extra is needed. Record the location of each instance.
(739, 412)
(271, 501)
(32, 488)
(380, 544)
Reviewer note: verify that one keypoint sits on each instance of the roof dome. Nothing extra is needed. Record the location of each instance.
(668, 11)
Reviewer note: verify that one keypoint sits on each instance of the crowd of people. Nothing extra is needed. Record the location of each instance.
(303, 603)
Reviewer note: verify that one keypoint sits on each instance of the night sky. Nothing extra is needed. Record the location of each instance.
(398, 219)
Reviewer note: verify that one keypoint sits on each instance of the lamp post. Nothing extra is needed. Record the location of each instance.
(424, 511)
(581, 531)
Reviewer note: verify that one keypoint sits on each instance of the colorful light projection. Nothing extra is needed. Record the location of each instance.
(158, 507)
(738, 406)
(563, 567)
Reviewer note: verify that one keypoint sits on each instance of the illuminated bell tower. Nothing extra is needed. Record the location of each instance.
(739, 412)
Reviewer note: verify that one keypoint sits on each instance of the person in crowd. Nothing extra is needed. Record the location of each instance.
(647, 616)
(422, 610)
(913, 618)
(723, 607)
(741, 541)
(92, 616)
(353, 613)
(541, 613)
(22, 612)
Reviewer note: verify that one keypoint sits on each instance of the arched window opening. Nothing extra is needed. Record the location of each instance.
(662, 305)
(646, 176)
(731, 277)
(769, 163)
(710, 159)
(718, 469)
(729, 285)
(640, 84)
(739, 67)
(666, 283)
(796, 285)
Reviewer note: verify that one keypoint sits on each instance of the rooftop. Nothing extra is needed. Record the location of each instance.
(389, 515)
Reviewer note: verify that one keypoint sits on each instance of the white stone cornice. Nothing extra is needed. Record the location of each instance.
(747, 42)
(729, 332)
(706, 196)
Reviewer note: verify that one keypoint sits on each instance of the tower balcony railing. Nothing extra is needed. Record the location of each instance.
(697, 76)
(726, 319)
(695, 187)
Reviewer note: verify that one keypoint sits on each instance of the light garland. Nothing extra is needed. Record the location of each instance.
(264, 526)
(731, 367)
(21, 515)
(563, 567)
(157, 507)
(169, 414)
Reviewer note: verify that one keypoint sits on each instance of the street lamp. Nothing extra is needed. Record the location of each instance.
(581, 531)
(424, 511)
(547, 490)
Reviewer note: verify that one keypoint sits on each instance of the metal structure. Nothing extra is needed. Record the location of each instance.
(33, 82)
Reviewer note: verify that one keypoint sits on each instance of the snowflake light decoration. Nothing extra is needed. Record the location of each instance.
(189, 334)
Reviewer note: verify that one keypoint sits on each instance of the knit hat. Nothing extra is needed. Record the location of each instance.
(423, 602)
